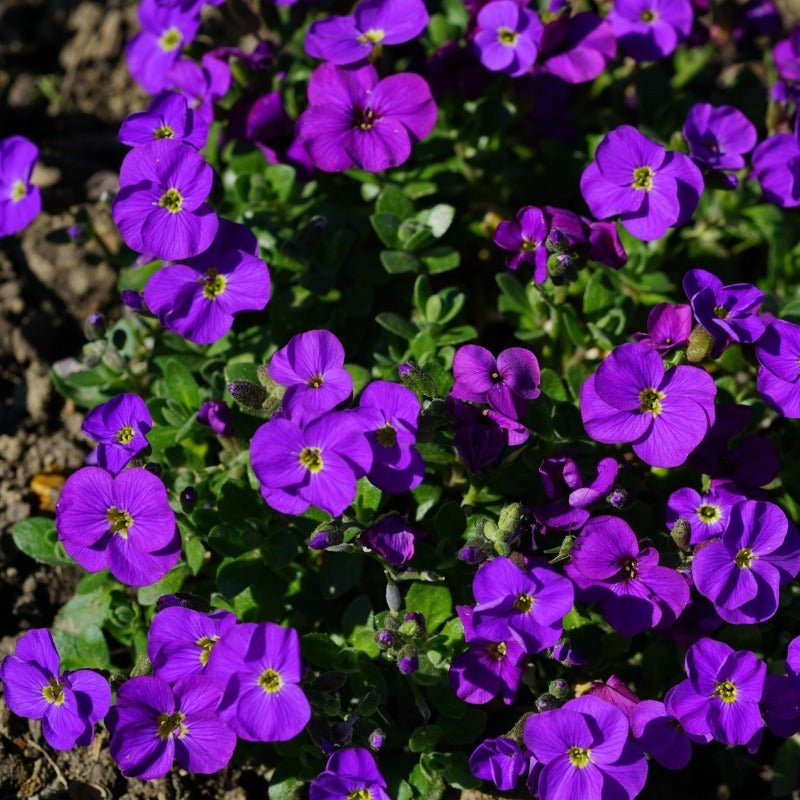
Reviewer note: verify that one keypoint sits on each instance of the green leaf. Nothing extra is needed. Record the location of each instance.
(169, 584)
(599, 294)
(392, 200)
(181, 385)
(440, 218)
(86, 649)
(397, 325)
(319, 649)
(37, 537)
(424, 738)
(457, 335)
(441, 259)
(340, 573)
(786, 768)
(195, 552)
(397, 261)
(427, 496)
(386, 225)
(433, 601)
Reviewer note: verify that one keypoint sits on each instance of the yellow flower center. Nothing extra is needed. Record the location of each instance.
(709, 513)
(170, 725)
(650, 400)
(125, 434)
(172, 200)
(726, 691)
(119, 521)
(528, 245)
(387, 436)
(524, 603)
(497, 650)
(579, 756)
(630, 566)
(720, 312)
(367, 120)
(373, 36)
(507, 37)
(53, 692)
(643, 178)
(648, 15)
(18, 191)
(359, 794)
(744, 558)
(164, 132)
(311, 459)
(213, 284)
(270, 681)
(314, 382)
(206, 643)
(170, 39)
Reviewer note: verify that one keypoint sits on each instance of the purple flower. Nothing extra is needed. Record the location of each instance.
(356, 120)
(203, 83)
(217, 416)
(507, 384)
(167, 117)
(776, 166)
(668, 327)
(499, 761)
(650, 188)
(153, 724)
(707, 515)
(577, 48)
(743, 570)
(20, 200)
(564, 486)
(487, 668)
(780, 705)
(507, 37)
(165, 31)
(349, 773)
(584, 749)
(198, 300)
(722, 694)
(181, 640)
(778, 354)
(526, 605)
(132, 299)
(786, 55)
(609, 565)
(614, 691)
(123, 524)
(159, 208)
(393, 538)
(648, 30)
(658, 732)
(526, 239)
(69, 704)
(632, 399)
(726, 312)
(346, 40)
(389, 413)
(311, 367)
(718, 136)
(120, 427)
(259, 665)
(318, 464)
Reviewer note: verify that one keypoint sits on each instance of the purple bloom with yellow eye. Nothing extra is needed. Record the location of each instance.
(721, 694)
(650, 188)
(346, 40)
(120, 427)
(668, 326)
(742, 571)
(69, 704)
(315, 465)
(311, 367)
(165, 31)
(181, 640)
(355, 120)
(707, 514)
(526, 239)
(259, 666)
(20, 201)
(123, 524)
(718, 136)
(648, 30)
(160, 206)
(199, 299)
(350, 774)
(167, 117)
(507, 37)
(154, 724)
(631, 398)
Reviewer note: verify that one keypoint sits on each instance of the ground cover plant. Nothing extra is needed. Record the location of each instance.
(444, 431)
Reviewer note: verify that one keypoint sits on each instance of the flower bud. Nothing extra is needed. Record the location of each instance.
(559, 689)
(700, 344)
(394, 598)
(418, 380)
(473, 552)
(249, 394)
(547, 702)
(188, 499)
(510, 518)
(618, 497)
(183, 600)
(557, 241)
(681, 533)
(408, 660)
(384, 638)
(376, 739)
(562, 268)
(134, 300)
(94, 326)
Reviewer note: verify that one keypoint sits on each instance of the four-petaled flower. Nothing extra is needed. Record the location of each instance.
(507, 37)
(20, 200)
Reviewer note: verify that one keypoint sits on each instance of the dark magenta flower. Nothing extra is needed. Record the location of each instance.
(356, 120)
(577, 47)
(651, 189)
(526, 605)
(726, 312)
(389, 413)
(776, 166)
(615, 691)
(610, 566)
(393, 538)
(584, 750)
(507, 37)
(199, 299)
(318, 464)
(165, 31)
(154, 724)
(743, 570)
(167, 117)
(507, 384)
(217, 416)
(648, 30)
(123, 524)
(778, 354)
(311, 367)
(526, 240)
(668, 327)
(346, 40)
(632, 399)
(500, 761)
(708, 515)
(722, 693)
(120, 427)
(718, 136)
(349, 773)
(259, 666)
(160, 206)
(482, 433)
(20, 200)
(69, 704)
(181, 640)
(487, 668)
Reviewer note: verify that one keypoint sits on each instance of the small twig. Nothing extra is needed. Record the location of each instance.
(59, 773)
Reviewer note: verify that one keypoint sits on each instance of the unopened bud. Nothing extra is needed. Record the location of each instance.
(249, 394)
(384, 638)
(559, 689)
(700, 344)
(418, 380)
(509, 518)
(562, 268)
(547, 702)
(557, 241)
(394, 598)
(94, 326)
(134, 300)
(376, 739)
(618, 497)
(408, 660)
(681, 533)
(188, 499)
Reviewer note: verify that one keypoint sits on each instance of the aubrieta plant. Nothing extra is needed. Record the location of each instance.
(445, 436)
